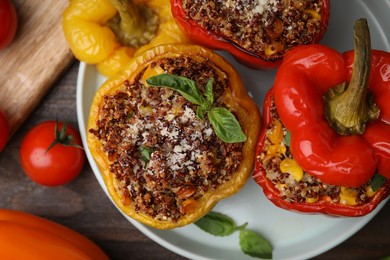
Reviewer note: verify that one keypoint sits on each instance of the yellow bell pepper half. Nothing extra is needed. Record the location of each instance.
(93, 41)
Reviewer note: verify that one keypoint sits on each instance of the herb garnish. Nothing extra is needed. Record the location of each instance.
(377, 181)
(217, 224)
(224, 123)
(145, 153)
(251, 243)
(288, 139)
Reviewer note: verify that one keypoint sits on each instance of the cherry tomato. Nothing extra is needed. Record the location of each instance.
(51, 153)
(8, 21)
(4, 130)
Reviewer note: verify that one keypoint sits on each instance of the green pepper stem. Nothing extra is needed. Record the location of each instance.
(134, 25)
(348, 107)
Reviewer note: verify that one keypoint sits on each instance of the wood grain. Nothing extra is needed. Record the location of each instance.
(34, 61)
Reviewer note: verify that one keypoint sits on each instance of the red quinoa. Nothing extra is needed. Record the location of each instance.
(161, 153)
(266, 28)
(309, 186)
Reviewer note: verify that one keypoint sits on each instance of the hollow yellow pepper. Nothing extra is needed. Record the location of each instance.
(87, 29)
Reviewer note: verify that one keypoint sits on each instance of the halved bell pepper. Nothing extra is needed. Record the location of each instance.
(326, 130)
(256, 33)
(183, 187)
(109, 32)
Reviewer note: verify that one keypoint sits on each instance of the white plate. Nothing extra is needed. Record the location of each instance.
(293, 235)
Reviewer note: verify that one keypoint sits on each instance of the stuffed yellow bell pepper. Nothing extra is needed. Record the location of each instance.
(109, 32)
(173, 133)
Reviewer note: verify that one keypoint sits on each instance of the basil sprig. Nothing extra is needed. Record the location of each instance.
(224, 123)
(255, 245)
(217, 224)
(377, 181)
(251, 243)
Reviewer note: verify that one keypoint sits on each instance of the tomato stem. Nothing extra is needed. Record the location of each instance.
(60, 137)
(134, 25)
(348, 107)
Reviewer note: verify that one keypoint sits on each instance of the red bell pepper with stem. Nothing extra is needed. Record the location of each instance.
(334, 108)
(278, 30)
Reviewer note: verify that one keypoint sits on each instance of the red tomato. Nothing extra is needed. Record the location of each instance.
(8, 21)
(4, 130)
(60, 163)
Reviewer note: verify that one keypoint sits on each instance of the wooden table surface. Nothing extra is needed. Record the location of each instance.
(83, 206)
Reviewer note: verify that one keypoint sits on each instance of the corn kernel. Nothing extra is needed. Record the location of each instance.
(313, 14)
(312, 200)
(348, 196)
(291, 166)
(369, 191)
(273, 48)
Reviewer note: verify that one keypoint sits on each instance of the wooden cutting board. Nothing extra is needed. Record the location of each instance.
(36, 58)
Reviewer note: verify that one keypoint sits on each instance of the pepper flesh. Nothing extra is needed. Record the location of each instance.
(215, 40)
(92, 41)
(235, 97)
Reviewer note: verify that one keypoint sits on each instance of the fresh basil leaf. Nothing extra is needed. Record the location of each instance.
(288, 139)
(255, 245)
(183, 85)
(145, 153)
(225, 125)
(200, 112)
(217, 224)
(377, 181)
(209, 94)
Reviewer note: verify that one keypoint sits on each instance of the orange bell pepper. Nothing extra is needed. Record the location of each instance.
(25, 236)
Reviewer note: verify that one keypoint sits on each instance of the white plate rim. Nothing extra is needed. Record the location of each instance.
(152, 233)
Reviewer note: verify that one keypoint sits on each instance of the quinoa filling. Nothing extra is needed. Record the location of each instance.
(162, 155)
(266, 28)
(300, 187)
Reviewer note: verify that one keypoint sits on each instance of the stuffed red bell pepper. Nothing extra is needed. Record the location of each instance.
(325, 145)
(256, 32)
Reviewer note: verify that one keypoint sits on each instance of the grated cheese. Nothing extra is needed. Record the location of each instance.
(261, 5)
(182, 148)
